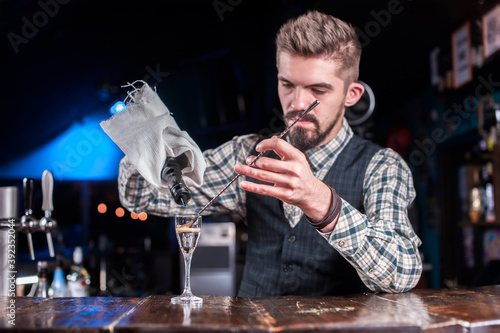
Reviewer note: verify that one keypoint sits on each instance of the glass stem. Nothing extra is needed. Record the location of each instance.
(187, 274)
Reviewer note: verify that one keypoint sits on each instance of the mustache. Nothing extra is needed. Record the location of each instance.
(296, 113)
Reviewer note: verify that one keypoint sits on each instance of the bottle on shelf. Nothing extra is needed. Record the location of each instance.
(78, 278)
(58, 286)
(476, 199)
(489, 214)
(42, 287)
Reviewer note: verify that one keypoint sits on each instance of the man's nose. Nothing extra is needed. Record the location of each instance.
(301, 99)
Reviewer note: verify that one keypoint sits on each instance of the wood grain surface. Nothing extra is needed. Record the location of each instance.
(470, 310)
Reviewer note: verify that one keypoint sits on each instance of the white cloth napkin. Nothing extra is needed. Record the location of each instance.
(147, 134)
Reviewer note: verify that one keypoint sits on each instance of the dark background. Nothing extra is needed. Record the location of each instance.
(213, 64)
(74, 62)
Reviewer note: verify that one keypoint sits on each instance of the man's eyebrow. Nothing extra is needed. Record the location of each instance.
(319, 84)
(282, 78)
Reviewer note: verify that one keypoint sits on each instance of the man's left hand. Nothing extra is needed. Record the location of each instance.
(292, 178)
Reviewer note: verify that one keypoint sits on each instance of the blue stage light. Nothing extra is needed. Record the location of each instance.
(82, 152)
(117, 107)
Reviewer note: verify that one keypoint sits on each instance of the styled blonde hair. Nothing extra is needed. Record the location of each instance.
(315, 34)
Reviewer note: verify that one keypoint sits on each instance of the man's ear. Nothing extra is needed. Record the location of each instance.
(354, 93)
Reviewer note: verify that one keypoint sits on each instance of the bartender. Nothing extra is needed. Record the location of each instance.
(326, 210)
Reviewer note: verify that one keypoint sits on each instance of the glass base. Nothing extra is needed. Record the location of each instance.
(187, 298)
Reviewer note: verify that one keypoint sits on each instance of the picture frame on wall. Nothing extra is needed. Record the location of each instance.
(491, 31)
(461, 55)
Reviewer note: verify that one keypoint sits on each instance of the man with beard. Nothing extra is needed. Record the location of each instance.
(326, 210)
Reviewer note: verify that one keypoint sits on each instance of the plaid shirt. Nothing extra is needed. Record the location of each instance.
(380, 244)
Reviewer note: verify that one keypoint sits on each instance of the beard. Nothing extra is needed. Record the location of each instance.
(303, 139)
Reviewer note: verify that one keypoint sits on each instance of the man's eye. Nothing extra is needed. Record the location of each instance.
(286, 85)
(319, 91)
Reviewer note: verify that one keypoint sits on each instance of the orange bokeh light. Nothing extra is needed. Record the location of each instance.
(120, 212)
(102, 208)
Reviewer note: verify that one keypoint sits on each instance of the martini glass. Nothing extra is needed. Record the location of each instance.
(187, 230)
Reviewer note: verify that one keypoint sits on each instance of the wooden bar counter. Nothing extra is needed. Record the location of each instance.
(421, 310)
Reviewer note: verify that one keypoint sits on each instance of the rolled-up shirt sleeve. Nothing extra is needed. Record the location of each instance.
(381, 243)
(137, 195)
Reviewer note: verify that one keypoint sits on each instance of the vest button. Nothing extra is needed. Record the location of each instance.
(287, 268)
(292, 238)
(341, 243)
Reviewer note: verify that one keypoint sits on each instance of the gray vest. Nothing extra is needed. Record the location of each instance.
(282, 260)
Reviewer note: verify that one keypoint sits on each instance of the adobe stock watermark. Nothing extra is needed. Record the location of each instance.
(381, 19)
(11, 272)
(276, 124)
(223, 6)
(455, 116)
(156, 74)
(31, 26)
(74, 155)
(121, 280)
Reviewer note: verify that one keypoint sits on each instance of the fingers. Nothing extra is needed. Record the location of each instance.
(279, 172)
(268, 163)
(264, 174)
(284, 150)
(286, 179)
(264, 189)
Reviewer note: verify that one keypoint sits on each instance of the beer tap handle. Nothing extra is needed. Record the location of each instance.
(30, 245)
(47, 223)
(47, 190)
(27, 221)
(28, 190)
(50, 244)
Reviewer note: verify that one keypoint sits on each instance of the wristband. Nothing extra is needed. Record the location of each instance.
(332, 213)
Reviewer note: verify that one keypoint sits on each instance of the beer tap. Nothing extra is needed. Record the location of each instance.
(28, 222)
(47, 223)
